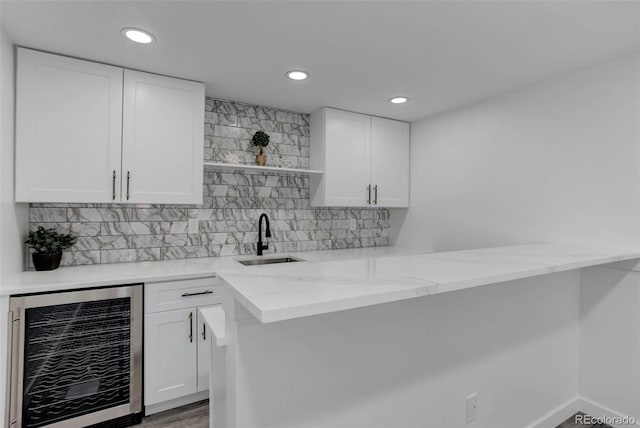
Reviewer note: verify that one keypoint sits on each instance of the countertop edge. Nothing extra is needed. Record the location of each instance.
(528, 261)
(266, 316)
(113, 274)
(63, 286)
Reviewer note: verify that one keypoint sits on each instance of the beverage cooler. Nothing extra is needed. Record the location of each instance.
(76, 358)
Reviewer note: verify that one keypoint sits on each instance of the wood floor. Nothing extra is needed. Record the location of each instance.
(194, 415)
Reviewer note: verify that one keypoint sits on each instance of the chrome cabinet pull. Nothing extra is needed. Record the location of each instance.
(187, 294)
(204, 331)
(375, 189)
(191, 327)
(113, 186)
(369, 192)
(128, 180)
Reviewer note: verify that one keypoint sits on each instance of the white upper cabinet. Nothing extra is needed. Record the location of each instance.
(68, 129)
(390, 162)
(365, 160)
(341, 144)
(89, 132)
(163, 136)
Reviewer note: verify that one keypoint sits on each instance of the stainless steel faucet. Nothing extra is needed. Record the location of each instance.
(267, 233)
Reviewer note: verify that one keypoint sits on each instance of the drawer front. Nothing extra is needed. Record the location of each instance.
(189, 293)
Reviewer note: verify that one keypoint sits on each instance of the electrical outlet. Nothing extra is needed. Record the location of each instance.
(472, 407)
(352, 224)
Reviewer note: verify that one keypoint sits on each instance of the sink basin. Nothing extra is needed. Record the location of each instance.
(269, 261)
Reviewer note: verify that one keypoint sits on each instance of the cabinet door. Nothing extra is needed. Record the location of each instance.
(204, 352)
(390, 162)
(348, 161)
(68, 129)
(162, 139)
(170, 346)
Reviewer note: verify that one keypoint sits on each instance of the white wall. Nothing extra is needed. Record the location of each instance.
(610, 337)
(554, 162)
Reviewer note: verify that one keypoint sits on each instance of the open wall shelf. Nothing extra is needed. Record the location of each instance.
(213, 166)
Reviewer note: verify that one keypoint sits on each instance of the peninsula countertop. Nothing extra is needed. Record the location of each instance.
(334, 280)
(293, 290)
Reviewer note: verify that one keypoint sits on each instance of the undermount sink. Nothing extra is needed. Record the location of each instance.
(269, 261)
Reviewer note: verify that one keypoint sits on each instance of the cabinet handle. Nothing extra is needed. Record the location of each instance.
(375, 200)
(113, 186)
(204, 331)
(187, 294)
(369, 192)
(191, 327)
(128, 179)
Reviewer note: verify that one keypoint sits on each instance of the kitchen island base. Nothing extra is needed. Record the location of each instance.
(410, 363)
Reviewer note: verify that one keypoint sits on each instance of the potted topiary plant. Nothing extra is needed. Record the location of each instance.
(48, 245)
(260, 139)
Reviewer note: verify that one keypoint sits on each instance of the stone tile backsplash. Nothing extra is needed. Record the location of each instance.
(227, 222)
(229, 127)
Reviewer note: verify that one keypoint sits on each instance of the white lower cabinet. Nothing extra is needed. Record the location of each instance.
(177, 343)
(170, 355)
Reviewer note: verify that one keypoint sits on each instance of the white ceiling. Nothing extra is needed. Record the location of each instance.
(440, 54)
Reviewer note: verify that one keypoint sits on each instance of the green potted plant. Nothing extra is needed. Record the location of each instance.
(260, 139)
(48, 245)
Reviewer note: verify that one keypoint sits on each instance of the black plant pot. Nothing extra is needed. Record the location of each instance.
(46, 261)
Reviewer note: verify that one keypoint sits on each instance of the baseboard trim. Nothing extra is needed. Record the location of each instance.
(557, 415)
(579, 404)
(172, 404)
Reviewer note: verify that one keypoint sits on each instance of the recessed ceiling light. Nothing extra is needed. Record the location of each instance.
(137, 35)
(297, 75)
(399, 100)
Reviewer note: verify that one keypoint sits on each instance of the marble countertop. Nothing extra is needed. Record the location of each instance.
(68, 278)
(334, 280)
(276, 293)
